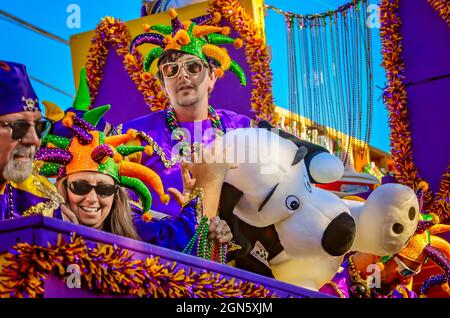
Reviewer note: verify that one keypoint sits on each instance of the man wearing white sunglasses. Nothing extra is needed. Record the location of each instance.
(189, 62)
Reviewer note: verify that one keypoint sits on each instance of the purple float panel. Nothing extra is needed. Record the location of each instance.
(426, 41)
(118, 90)
(228, 92)
(127, 102)
(429, 112)
(426, 52)
(41, 230)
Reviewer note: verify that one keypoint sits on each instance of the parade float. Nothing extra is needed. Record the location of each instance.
(416, 65)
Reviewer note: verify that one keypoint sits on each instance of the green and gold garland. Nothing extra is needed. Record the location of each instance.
(108, 269)
(396, 101)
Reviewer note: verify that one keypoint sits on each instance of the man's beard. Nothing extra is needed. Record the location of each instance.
(17, 170)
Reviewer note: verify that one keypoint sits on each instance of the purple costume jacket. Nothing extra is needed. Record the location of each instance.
(170, 232)
(155, 126)
(24, 199)
(340, 286)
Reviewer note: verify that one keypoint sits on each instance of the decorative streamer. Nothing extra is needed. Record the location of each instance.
(292, 67)
(330, 73)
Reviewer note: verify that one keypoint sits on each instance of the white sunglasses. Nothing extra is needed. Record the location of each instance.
(404, 270)
(172, 69)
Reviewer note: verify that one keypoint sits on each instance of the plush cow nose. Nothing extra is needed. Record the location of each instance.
(339, 235)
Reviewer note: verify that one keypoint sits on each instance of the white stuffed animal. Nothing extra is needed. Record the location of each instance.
(297, 232)
(384, 224)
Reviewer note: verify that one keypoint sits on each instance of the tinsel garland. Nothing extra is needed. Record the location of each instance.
(256, 52)
(112, 32)
(443, 7)
(110, 269)
(395, 97)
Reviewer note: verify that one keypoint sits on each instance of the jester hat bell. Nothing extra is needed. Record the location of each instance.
(192, 37)
(91, 150)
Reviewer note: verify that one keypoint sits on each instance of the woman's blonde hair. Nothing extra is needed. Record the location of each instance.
(119, 220)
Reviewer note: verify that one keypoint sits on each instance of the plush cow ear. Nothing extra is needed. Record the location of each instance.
(229, 197)
(264, 124)
(300, 155)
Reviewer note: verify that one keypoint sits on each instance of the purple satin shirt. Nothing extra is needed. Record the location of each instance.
(156, 127)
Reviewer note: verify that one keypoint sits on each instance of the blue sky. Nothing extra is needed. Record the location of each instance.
(50, 61)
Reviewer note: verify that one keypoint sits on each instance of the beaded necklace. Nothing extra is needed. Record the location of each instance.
(44, 208)
(359, 286)
(173, 125)
(178, 133)
(207, 249)
(11, 201)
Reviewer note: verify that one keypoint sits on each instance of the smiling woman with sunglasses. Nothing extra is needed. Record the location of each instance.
(91, 175)
(94, 199)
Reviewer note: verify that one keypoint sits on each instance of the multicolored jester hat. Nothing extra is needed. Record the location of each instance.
(90, 150)
(192, 37)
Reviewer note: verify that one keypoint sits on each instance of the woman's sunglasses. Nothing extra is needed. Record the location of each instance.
(83, 188)
(404, 270)
(20, 128)
(172, 69)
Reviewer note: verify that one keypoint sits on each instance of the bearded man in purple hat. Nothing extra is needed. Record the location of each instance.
(23, 191)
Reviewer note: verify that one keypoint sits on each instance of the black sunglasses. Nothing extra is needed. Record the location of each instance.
(83, 188)
(20, 128)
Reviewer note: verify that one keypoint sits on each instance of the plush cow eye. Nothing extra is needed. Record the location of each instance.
(292, 202)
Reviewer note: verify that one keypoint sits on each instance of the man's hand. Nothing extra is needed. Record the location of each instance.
(188, 186)
(203, 172)
(208, 167)
(68, 215)
(219, 230)
(210, 171)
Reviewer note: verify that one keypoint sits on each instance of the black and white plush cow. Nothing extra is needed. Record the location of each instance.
(292, 230)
